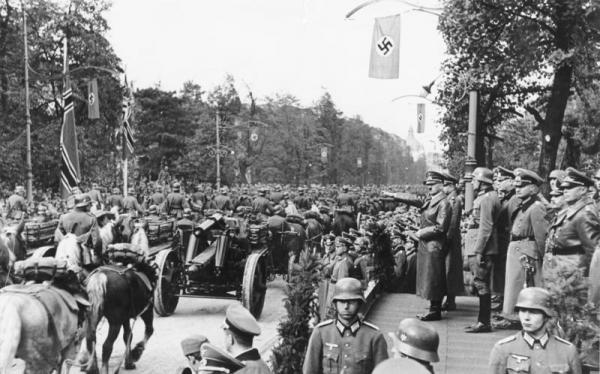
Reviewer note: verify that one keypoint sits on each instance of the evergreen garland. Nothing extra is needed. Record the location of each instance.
(294, 331)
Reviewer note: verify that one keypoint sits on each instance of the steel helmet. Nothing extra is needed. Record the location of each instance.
(82, 200)
(348, 289)
(484, 175)
(416, 339)
(400, 365)
(534, 298)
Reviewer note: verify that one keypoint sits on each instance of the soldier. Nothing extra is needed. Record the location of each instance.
(302, 202)
(345, 200)
(502, 174)
(435, 219)
(416, 340)
(400, 365)
(217, 361)
(277, 195)
(115, 200)
(240, 328)
(158, 197)
(198, 200)
(481, 244)
(96, 195)
(342, 266)
(131, 205)
(222, 201)
(533, 350)
(175, 202)
(345, 344)
(328, 249)
(152, 213)
(453, 263)
(16, 205)
(245, 199)
(555, 178)
(526, 247)
(509, 203)
(83, 224)
(191, 347)
(262, 205)
(575, 232)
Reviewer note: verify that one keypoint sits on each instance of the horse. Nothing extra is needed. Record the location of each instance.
(7, 259)
(10, 235)
(118, 294)
(314, 232)
(343, 222)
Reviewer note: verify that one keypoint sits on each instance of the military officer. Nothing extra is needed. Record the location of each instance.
(175, 202)
(240, 328)
(343, 265)
(84, 225)
(345, 344)
(217, 361)
(575, 232)
(436, 214)
(262, 205)
(527, 242)
(191, 347)
(453, 262)
(502, 174)
(481, 244)
(16, 205)
(555, 178)
(131, 205)
(115, 200)
(416, 340)
(533, 349)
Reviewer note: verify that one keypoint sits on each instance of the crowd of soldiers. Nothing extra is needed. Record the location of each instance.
(511, 241)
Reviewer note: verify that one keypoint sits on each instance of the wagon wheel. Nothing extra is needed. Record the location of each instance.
(168, 285)
(254, 284)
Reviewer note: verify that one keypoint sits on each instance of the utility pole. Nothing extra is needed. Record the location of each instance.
(471, 161)
(27, 109)
(218, 153)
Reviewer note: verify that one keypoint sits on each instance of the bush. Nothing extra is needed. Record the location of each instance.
(294, 331)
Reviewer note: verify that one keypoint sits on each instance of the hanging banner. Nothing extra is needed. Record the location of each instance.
(323, 154)
(385, 52)
(93, 103)
(359, 162)
(420, 118)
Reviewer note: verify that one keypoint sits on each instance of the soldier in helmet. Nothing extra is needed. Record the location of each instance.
(533, 349)
(158, 197)
(131, 204)
(527, 242)
(345, 344)
(481, 244)
(175, 202)
(262, 205)
(222, 201)
(417, 341)
(400, 365)
(345, 200)
(115, 200)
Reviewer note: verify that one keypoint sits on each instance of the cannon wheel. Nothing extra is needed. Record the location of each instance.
(168, 285)
(254, 284)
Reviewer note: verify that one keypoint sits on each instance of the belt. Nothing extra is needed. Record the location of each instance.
(514, 238)
(567, 251)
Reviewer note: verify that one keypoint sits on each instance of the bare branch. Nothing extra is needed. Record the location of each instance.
(538, 117)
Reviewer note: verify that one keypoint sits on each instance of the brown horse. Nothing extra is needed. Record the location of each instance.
(28, 333)
(10, 235)
(118, 294)
(7, 259)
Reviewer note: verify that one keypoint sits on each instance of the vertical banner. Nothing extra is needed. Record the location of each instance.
(93, 103)
(420, 118)
(323, 154)
(69, 168)
(385, 52)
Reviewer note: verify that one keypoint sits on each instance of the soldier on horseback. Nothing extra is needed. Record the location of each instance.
(16, 205)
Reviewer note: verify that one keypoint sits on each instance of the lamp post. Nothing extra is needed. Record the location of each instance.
(218, 155)
(27, 109)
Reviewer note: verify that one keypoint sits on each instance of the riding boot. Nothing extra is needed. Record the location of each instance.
(435, 311)
(485, 309)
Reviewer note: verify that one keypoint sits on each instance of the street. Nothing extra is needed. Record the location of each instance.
(192, 316)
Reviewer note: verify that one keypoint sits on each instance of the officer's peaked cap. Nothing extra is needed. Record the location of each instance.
(192, 344)
(239, 318)
(417, 339)
(524, 177)
(504, 173)
(433, 177)
(449, 178)
(576, 178)
(216, 359)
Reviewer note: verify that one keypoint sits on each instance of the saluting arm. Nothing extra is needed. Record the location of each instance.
(406, 198)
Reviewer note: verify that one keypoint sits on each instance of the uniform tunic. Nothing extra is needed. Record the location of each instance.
(131, 205)
(174, 204)
(508, 206)
(528, 237)
(16, 206)
(254, 363)
(454, 263)
(262, 205)
(222, 202)
(520, 353)
(334, 348)
(114, 200)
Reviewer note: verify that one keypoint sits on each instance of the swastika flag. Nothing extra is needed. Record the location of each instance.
(385, 52)
(420, 118)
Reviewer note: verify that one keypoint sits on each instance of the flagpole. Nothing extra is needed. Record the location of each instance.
(27, 110)
(218, 153)
(124, 145)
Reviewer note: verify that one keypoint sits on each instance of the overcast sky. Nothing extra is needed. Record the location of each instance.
(300, 47)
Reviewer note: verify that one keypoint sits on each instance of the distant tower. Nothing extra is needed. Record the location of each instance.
(416, 148)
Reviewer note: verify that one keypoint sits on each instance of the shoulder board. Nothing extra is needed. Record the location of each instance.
(325, 323)
(370, 325)
(563, 340)
(508, 339)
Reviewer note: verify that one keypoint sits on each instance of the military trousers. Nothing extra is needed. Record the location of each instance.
(516, 276)
(482, 274)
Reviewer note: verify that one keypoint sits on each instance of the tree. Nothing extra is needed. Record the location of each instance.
(520, 55)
